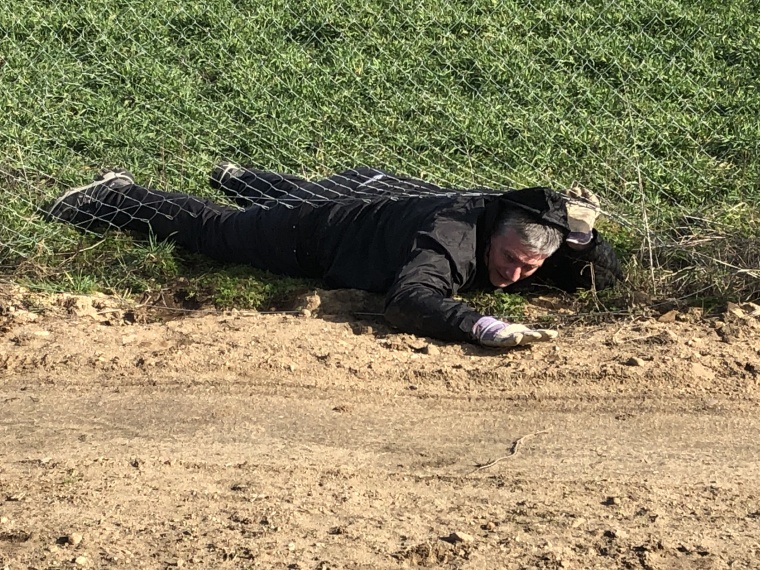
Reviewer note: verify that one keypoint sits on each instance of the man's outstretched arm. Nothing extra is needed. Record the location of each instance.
(420, 302)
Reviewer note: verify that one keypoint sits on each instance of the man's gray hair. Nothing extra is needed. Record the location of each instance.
(539, 239)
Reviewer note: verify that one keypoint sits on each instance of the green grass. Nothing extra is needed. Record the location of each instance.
(654, 104)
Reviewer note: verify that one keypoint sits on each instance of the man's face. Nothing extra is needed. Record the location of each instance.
(508, 260)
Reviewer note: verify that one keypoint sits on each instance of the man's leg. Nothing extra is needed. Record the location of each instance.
(115, 200)
(262, 238)
(251, 187)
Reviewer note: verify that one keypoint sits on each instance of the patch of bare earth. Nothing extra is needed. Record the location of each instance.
(318, 441)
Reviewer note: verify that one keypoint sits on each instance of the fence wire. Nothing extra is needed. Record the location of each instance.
(652, 104)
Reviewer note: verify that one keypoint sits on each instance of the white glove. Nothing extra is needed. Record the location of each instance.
(496, 333)
(582, 208)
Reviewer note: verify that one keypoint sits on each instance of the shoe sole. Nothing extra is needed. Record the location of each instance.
(105, 178)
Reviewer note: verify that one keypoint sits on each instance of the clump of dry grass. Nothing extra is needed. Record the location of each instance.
(702, 258)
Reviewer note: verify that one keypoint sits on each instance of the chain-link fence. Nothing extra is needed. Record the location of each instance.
(652, 104)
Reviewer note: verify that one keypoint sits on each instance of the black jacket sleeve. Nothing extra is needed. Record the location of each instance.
(595, 266)
(442, 261)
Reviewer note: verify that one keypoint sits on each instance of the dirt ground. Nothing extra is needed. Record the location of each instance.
(318, 441)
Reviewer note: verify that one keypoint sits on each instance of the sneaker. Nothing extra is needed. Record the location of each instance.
(66, 207)
(223, 172)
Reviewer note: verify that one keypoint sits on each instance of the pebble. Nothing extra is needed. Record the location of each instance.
(633, 361)
(577, 522)
(80, 560)
(25, 316)
(669, 317)
(458, 536)
(291, 546)
(3, 520)
(615, 533)
(612, 501)
(74, 538)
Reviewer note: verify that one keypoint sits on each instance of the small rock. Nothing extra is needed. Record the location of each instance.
(577, 522)
(615, 533)
(431, 349)
(702, 372)
(305, 313)
(74, 538)
(611, 501)
(735, 310)
(669, 317)
(25, 316)
(80, 560)
(458, 536)
(633, 361)
(312, 302)
(3, 520)
(752, 308)
(291, 546)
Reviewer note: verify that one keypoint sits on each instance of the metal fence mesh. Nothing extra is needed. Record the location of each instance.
(652, 104)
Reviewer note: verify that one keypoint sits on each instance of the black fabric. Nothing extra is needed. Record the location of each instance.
(418, 243)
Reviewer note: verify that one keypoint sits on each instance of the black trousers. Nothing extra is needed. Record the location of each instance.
(264, 234)
(255, 236)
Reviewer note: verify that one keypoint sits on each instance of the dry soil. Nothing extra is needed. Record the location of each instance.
(317, 441)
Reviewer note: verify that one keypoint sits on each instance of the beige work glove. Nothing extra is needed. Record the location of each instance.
(498, 334)
(582, 208)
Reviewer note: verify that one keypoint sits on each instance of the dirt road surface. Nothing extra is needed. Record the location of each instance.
(243, 440)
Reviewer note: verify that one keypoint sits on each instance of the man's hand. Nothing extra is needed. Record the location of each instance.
(582, 207)
(495, 333)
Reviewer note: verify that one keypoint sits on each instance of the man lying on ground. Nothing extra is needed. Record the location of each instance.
(418, 243)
